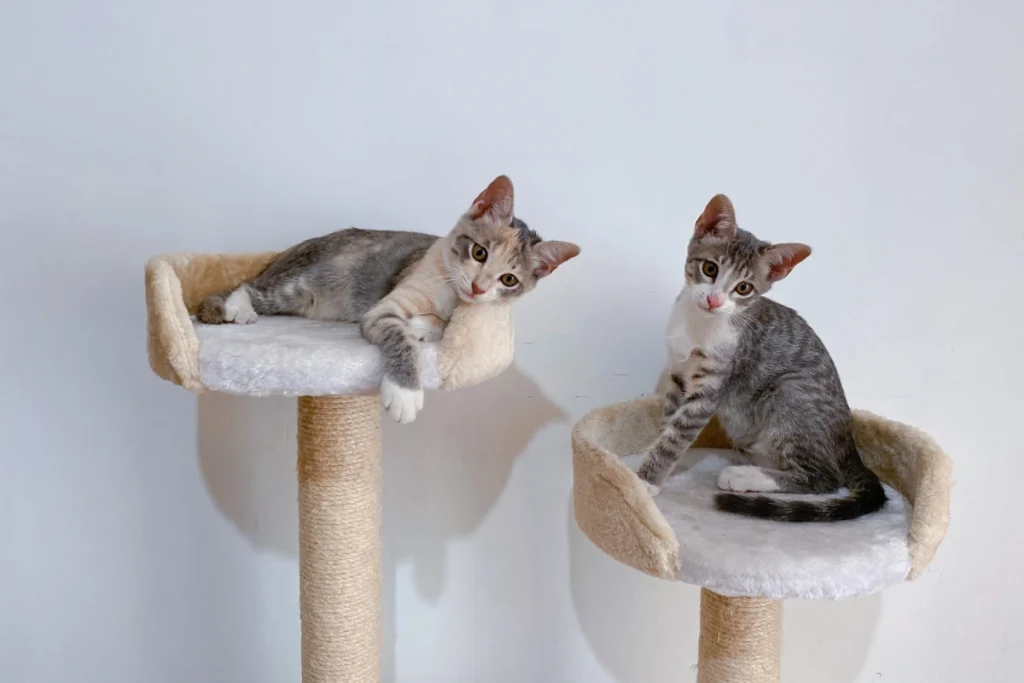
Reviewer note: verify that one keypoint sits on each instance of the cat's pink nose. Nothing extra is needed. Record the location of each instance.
(476, 290)
(714, 301)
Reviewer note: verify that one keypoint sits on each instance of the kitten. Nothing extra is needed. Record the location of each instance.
(758, 367)
(402, 287)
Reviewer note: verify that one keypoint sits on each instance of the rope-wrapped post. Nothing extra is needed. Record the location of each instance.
(740, 639)
(339, 470)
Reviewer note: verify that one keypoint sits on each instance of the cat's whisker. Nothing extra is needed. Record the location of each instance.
(746, 321)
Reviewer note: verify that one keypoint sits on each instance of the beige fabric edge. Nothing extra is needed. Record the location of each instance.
(477, 345)
(175, 284)
(171, 340)
(911, 462)
(615, 511)
(611, 505)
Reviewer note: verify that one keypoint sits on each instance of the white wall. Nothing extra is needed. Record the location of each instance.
(146, 537)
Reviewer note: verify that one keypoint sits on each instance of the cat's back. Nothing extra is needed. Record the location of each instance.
(374, 243)
(341, 275)
(390, 250)
(775, 339)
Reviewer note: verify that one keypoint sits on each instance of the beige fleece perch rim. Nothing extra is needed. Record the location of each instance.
(339, 444)
(741, 632)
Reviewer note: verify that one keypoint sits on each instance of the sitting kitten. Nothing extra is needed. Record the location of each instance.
(402, 287)
(758, 367)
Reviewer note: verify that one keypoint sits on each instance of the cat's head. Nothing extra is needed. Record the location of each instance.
(491, 255)
(727, 268)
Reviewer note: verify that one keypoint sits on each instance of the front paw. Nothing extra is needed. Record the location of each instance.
(426, 328)
(402, 404)
(648, 477)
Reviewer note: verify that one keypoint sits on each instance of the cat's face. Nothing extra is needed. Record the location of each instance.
(727, 268)
(492, 256)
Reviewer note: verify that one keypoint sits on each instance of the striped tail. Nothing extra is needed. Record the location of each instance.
(866, 496)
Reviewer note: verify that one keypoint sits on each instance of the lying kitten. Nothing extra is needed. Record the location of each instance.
(758, 367)
(400, 286)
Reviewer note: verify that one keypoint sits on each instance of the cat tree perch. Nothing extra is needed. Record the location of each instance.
(746, 567)
(336, 376)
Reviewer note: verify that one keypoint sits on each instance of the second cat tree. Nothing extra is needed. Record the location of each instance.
(747, 567)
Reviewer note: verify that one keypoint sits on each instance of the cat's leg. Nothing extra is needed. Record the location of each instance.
(278, 296)
(786, 453)
(664, 384)
(747, 478)
(781, 466)
(678, 435)
(238, 307)
(279, 293)
(674, 391)
(386, 327)
(751, 478)
(701, 385)
(427, 328)
(227, 307)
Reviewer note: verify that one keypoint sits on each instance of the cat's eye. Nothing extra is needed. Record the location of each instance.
(709, 268)
(744, 288)
(479, 253)
(509, 280)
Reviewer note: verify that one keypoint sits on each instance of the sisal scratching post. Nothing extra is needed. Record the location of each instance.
(339, 470)
(747, 567)
(337, 374)
(740, 639)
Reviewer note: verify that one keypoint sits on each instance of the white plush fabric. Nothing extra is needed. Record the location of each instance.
(738, 556)
(295, 357)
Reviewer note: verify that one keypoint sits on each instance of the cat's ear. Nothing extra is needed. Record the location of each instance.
(718, 219)
(782, 258)
(496, 204)
(550, 255)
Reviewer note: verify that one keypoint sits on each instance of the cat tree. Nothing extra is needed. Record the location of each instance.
(746, 567)
(336, 376)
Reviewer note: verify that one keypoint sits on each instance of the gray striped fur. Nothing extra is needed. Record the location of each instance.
(769, 380)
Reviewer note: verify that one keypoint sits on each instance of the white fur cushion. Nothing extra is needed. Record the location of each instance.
(295, 357)
(735, 556)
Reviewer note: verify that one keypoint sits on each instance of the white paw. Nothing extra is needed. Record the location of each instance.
(400, 403)
(745, 478)
(238, 308)
(426, 328)
(652, 490)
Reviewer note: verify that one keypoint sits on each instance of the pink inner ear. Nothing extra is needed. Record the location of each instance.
(784, 257)
(498, 200)
(552, 255)
(719, 216)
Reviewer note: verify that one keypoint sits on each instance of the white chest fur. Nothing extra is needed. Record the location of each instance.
(691, 327)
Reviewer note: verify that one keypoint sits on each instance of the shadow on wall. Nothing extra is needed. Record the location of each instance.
(442, 474)
(247, 457)
(645, 630)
